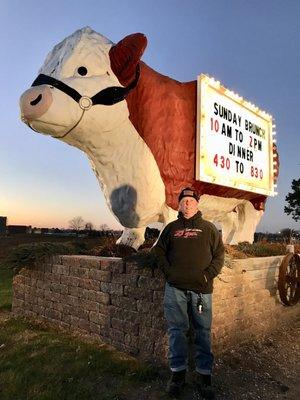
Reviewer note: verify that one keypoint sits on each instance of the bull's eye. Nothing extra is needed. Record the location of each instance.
(82, 71)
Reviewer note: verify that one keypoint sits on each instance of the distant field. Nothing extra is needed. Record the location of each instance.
(5, 289)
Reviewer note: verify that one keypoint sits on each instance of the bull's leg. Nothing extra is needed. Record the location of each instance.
(229, 225)
(132, 237)
(247, 220)
(168, 215)
(135, 237)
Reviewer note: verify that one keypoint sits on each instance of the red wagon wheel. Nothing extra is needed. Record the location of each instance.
(289, 279)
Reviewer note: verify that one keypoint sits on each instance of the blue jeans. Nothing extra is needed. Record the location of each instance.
(178, 305)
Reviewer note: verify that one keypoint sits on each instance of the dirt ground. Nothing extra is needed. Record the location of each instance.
(266, 369)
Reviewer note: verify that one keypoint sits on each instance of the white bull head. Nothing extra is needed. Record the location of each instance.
(74, 71)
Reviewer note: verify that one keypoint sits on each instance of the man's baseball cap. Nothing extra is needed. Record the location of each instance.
(188, 192)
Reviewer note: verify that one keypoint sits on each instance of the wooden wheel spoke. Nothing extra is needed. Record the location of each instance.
(291, 280)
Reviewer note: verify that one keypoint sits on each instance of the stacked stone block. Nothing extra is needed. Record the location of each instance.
(122, 305)
(101, 297)
(246, 302)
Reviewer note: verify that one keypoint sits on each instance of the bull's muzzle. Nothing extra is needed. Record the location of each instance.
(35, 102)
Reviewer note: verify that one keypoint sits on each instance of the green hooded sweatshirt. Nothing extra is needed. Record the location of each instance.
(191, 253)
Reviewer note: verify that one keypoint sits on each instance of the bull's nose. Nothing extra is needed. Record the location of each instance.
(35, 102)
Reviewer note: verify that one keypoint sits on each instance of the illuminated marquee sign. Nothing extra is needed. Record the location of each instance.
(234, 140)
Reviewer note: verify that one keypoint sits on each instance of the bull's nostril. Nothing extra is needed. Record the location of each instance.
(36, 101)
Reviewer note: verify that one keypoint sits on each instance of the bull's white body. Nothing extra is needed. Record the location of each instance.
(123, 163)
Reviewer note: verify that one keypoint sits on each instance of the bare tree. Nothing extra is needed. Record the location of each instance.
(89, 226)
(287, 234)
(104, 227)
(76, 223)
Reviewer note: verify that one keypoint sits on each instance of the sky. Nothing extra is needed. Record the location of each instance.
(251, 46)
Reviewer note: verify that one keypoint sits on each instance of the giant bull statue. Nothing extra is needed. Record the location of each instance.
(138, 129)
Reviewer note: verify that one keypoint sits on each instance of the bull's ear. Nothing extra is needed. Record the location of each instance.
(125, 56)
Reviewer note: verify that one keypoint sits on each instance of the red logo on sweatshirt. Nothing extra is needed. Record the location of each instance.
(187, 233)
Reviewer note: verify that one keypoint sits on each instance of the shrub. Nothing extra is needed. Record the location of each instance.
(111, 249)
(261, 249)
(29, 254)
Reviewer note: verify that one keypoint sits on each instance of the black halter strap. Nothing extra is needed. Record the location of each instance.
(107, 97)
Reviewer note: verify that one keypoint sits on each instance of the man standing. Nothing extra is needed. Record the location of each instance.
(191, 254)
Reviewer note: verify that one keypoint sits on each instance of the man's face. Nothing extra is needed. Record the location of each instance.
(188, 206)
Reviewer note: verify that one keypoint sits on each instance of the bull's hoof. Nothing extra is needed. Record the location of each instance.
(132, 237)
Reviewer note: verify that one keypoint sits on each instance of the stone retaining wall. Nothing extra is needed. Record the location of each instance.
(122, 305)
